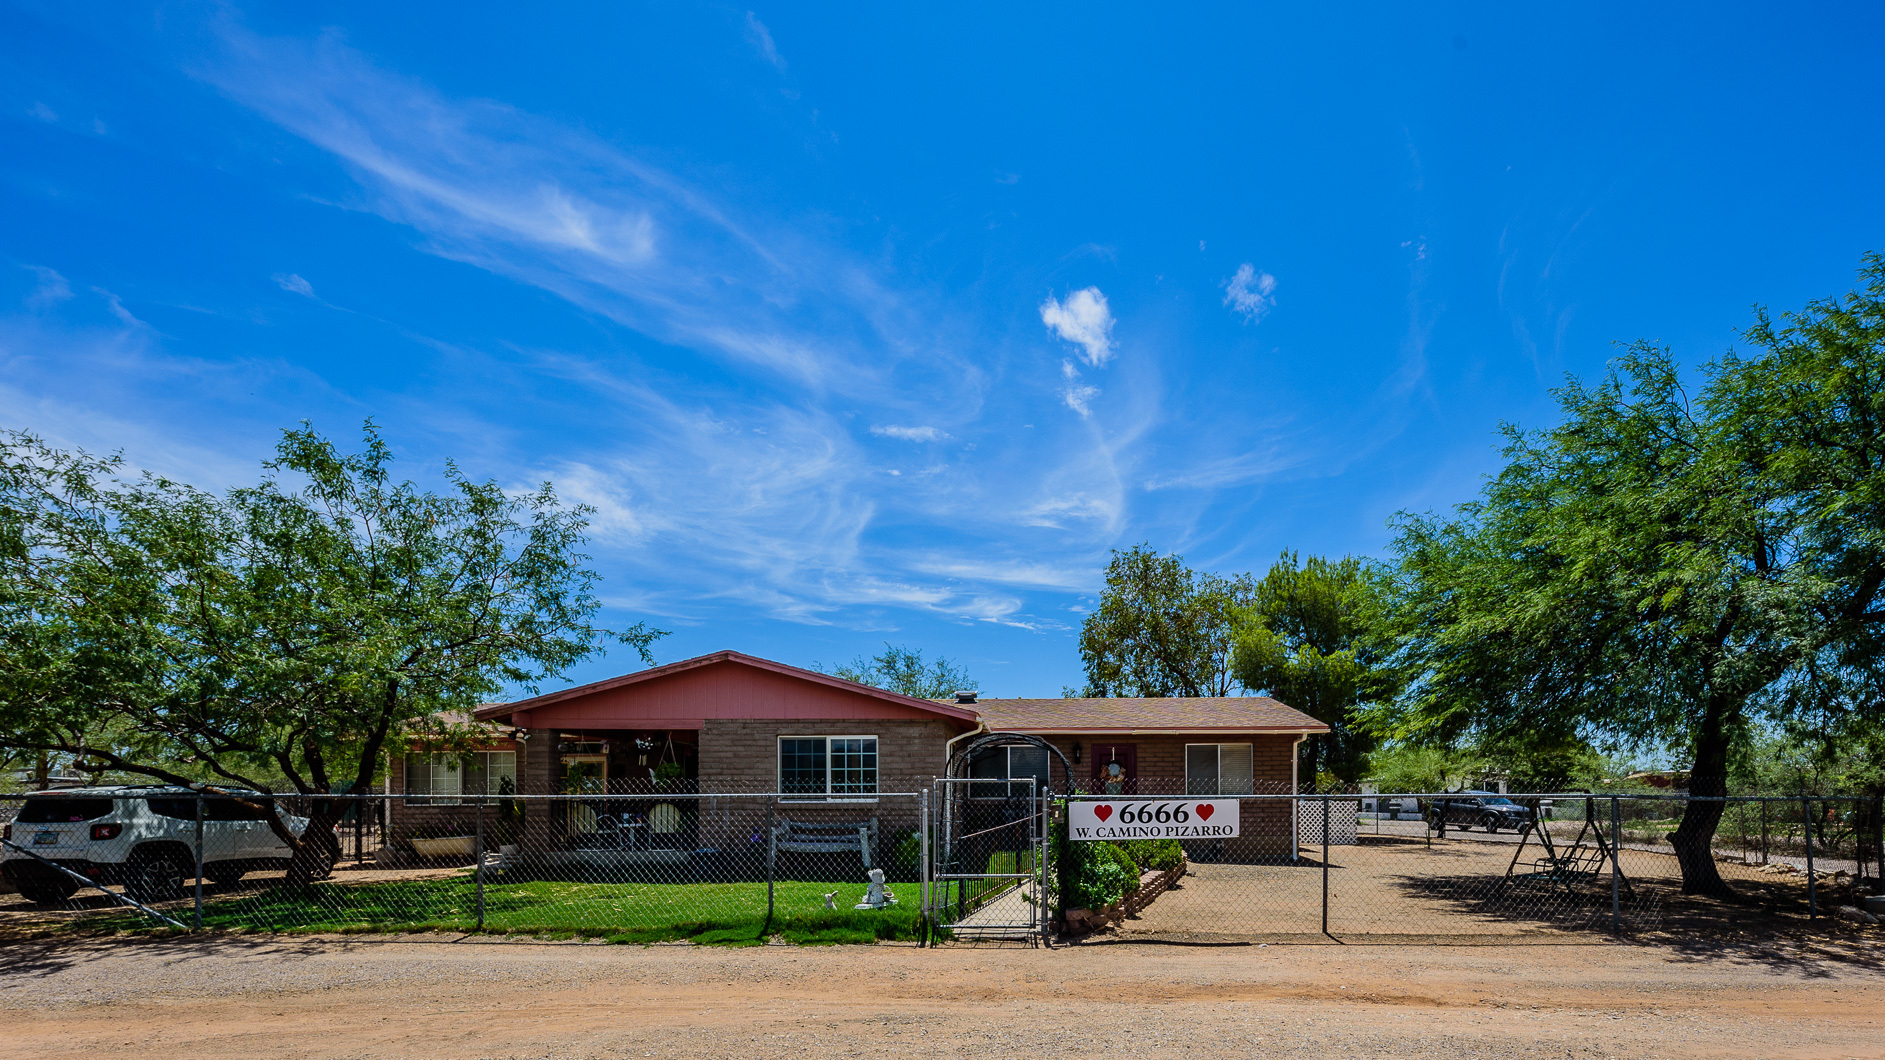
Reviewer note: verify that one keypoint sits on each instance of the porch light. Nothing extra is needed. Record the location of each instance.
(1076, 752)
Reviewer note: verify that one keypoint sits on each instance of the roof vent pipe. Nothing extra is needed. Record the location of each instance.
(965, 696)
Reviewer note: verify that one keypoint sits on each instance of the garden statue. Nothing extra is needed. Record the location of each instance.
(877, 897)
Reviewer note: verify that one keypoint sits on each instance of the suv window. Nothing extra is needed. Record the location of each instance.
(181, 809)
(229, 810)
(59, 809)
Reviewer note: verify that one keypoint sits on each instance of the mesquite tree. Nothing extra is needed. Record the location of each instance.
(1668, 569)
(281, 636)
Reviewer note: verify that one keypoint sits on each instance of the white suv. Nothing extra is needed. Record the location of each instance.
(143, 837)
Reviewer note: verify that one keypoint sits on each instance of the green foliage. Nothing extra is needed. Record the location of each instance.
(1161, 629)
(906, 855)
(1094, 875)
(1313, 637)
(902, 670)
(1153, 855)
(284, 634)
(1666, 571)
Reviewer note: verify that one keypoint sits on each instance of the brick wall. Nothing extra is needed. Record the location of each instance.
(1265, 824)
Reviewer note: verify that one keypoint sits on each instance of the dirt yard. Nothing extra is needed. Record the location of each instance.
(440, 997)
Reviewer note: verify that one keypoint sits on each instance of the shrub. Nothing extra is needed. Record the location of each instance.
(906, 856)
(1154, 855)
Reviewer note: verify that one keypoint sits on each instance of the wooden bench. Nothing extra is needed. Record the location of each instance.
(834, 837)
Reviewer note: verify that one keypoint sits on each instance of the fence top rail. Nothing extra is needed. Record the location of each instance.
(1563, 796)
(786, 798)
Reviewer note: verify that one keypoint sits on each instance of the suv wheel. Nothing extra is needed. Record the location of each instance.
(1490, 823)
(48, 892)
(225, 873)
(154, 876)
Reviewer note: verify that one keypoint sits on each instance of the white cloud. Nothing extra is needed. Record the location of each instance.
(1078, 398)
(294, 284)
(51, 289)
(911, 434)
(553, 206)
(1083, 319)
(761, 37)
(1250, 292)
(117, 308)
(43, 112)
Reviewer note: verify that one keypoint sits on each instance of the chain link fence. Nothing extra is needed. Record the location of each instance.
(1478, 864)
(748, 867)
(725, 868)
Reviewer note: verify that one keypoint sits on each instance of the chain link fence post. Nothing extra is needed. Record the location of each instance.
(1812, 888)
(480, 871)
(1325, 864)
(922, 803)
(197, 921)
(1763, 829)
(1616, 867)
(772, 850)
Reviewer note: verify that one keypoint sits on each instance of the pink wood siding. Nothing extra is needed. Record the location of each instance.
(728, 691)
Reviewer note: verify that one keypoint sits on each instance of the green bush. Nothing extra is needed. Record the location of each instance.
(1154, 855)
(906, 855)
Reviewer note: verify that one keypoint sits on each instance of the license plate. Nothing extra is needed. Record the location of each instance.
(45, 839)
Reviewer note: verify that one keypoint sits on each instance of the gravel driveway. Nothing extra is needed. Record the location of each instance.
(435, 997)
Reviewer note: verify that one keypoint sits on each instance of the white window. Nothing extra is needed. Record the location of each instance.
(1219, 769)
(828, 767)
(450, 780)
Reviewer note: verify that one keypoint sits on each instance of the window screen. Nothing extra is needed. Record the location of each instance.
(1028, 762)
(1219, 769)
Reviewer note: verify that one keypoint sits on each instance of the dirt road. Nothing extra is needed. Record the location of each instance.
(435, 997)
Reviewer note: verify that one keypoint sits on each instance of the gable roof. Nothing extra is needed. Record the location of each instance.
(1164, 714)
(502, 711)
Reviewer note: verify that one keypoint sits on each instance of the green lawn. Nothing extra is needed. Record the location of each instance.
(722, 913)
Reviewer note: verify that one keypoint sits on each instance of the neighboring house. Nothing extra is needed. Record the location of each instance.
(729, 723)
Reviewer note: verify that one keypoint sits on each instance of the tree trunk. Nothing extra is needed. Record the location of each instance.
(1694, 837)
(317, 848)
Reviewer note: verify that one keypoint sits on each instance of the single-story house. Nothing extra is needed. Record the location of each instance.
(729, 723)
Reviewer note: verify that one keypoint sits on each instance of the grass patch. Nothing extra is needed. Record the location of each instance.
(724, 914)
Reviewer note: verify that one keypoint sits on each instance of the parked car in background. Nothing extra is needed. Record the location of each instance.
(141, 836)
(1485, 809)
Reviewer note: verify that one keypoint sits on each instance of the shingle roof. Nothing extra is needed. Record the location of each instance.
(1168, 714)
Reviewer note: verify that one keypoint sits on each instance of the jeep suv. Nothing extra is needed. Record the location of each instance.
(143, 837)
(1487, 809)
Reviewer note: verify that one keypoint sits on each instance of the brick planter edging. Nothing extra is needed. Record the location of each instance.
(1151, 885)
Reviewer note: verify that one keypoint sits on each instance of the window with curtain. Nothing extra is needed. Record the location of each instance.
(1213, 769)
(452, 780)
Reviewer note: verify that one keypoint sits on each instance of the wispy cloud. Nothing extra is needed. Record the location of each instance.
(294, 284)
(1079, 397)
(1250, 292)
(911, 434)
(558, 208)
(1085, 320)
(761, 39)
(51, 289)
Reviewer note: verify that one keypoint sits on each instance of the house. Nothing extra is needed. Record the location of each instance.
(729, 723)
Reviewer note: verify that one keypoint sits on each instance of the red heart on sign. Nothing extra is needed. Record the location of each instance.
(1205, 810)
(1102, 811)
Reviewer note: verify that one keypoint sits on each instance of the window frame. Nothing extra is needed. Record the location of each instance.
(1219, 775)
(462, 766)
(778, 767)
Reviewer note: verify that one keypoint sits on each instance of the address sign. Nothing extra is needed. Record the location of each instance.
(1152, 819)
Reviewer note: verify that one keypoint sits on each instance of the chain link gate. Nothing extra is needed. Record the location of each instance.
(990, 852)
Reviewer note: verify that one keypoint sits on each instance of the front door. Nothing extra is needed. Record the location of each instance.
(1115, 769)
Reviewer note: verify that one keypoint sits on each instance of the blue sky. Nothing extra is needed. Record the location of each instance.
(873, 323)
